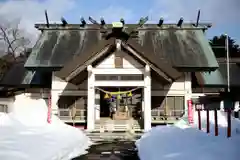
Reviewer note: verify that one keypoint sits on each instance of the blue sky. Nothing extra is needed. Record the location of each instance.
(222, 13)
(134, 9)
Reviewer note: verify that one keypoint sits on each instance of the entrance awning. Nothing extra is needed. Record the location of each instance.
(218, 78)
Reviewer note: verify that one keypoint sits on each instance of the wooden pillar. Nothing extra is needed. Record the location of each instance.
(208, 121)
(91, 100)
(142, 109)
(97, 105)
(187, 95)
(56, 89)
(216, 122)
(147, 99)
(199, 119)
(229, 126)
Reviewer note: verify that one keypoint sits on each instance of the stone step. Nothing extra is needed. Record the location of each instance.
(110, 136)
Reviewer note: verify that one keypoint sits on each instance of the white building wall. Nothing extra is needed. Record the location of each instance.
(182, 87)
(61, 87)
(128, 62)
(177, 88)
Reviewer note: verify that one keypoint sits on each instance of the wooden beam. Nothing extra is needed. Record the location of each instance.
(119, 71)
(73, 93)
(119, 83)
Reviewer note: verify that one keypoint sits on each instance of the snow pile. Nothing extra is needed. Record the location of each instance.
(187, 143)
(26, 135)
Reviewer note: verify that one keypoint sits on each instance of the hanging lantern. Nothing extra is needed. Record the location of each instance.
(129, 94)
(106, 96)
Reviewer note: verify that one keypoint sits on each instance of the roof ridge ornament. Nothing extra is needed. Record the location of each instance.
(96, 23)
(117, 24)
(64, 22)
(180, 22)
(198, 18)
(122, 21)
(131, 31)
(141, 22)
(83, 22)
(160, 22)
(47, 20)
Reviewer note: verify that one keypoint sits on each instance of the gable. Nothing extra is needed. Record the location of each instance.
(128, 62)
(73, 69)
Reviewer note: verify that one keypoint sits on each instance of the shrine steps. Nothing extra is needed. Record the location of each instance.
(114, 126)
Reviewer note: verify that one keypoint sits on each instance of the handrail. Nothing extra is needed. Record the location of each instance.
(80, 114)
(162, 114)
(72, 114)
(3, 108)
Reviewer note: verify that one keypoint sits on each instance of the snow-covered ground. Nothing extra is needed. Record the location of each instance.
(181, 142)
(26, 135)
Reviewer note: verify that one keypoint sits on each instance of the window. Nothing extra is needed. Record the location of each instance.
(175, 105)
(78, 102)
(118, 60)
(170, 105)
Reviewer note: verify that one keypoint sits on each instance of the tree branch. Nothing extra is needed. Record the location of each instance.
(15, 42)
(8, 41)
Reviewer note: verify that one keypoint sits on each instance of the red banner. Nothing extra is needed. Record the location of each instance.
(190, 112)
(49, 109)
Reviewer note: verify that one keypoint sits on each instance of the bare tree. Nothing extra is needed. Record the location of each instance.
(12, 40)
(12, 44)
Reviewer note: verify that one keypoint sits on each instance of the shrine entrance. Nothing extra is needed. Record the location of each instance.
(127, 93)
(120, 103)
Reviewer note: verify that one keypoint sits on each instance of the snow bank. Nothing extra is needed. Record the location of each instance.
(187, 143)
(26, 135)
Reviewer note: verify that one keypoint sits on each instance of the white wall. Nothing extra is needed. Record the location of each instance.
(128, 62)
(177, 88)
(182, 87)
(61, 87)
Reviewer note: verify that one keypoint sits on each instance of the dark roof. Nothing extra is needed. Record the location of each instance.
(219, 77)
(160, 63)
(56, 47)
(81, 58)
(185, 49)
(17, 76)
